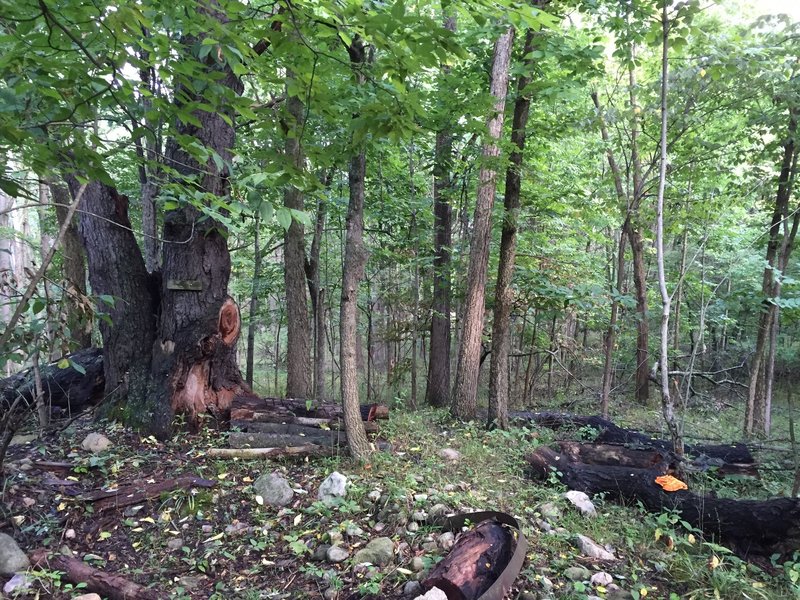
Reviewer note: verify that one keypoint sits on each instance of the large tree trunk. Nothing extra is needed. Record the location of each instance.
(79, 320)
(298, 335)
(465, 391)
(504, 295)
(119, 279)
(194, 359)
(437, 391)
(355, 259)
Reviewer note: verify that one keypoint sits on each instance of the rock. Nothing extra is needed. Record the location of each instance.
(378, 527)
(28, 502)
(433, 594)
(175, 544)
(354, 530)
(334, 486)
(438, 510)
(330, 594)
(335, 537)
(592, 549)
(191, 582)
(12, 558)
(528, 596)
(450, 454)
(577, 574)
(69, 534)
(321, 552)
(581, 501)
(91, 596)
(273, 490)
(374, 495)
(237, 528)
(449, 487)
(420, 497)
(543, 525)
(614, 592)
(419, 515)
(412, 588)
(446, 540)
(546, 584)
(378, 552)
(417, 564)
(549, 511)
(207, 528)
(601, 578)
(22, 439)
(429, 546)
(96, 442)
(17, 583)
(412, 527)
(337, 554)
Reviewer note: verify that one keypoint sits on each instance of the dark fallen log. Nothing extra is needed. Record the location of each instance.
(252, 408)
(67, 389)
(750, 527)
(140, 492)
(274, 440)
(302, 425)
(108, 585)
(475, 562)
(609, 433)
(624, 456)
(282, 452)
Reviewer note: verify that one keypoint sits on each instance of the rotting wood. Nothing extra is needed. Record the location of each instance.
(253, 408)
(109, 585)
(475, 562)
(275, 440)
(750, 527)
(307, 450)
(140, 492)
(305, 422)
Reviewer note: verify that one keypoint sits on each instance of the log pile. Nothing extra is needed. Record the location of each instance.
(287, 426)
(749, 527)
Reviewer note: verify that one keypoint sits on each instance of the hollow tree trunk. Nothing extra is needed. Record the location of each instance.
(437, 391)
(465, 391)
(298, 334)
(504, 295)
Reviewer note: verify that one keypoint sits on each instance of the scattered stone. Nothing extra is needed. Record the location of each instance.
(447, 540)
(417, 564)
(237, 528)
(12, 558)
(22, 439)
(438, 510)
(190, 582)
(334, 486)
(419, 515)
(433, 594)
(429, 546)
(337, 554)
(273, 490)
(354, 530)
(614, 592)
(28, 502)
(450, 454)
(543, 525)
(206, 528)
(412, 527)
(412, 588)
(91, 596)
(581, 501)
(601, 578)
(96, 442)
(420, 497)
(69, 534)
(449, 487)
(550, 511)
(321, 552)
(592, 549)
(335, 536)
(378, 527)
(547, 585)
(578, 574)
(17, 583)
(378, 552)
(175, 543)
(330, 594)
(374, 495)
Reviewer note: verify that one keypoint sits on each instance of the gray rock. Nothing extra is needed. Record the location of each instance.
(449, 487)
(549, 511)
(429, 546)
(438, 510)
(446, 540)
(17, 583)
(334, 486)
(22, 439)
(12, 558)
(592, 549)
(601, 578)
(581, 501)
(175, 543)
(273, 489)
(417, 564)
(191, 582)
(614, 592)
(378, 552)
(337, 554)
(433, 594)
(374, 495)
(420, 497)
(546, 584)
(378, 527)
(335, 536)
(354, 530)
(411, 588)
(543, 525)
(419, 515)
(577, 574)
(321, 552)
(96, 442)
(91, 596)
(412, 527)
(450, 454)
(330, 593)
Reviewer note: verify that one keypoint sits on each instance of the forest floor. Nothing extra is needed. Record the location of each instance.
(222, 543)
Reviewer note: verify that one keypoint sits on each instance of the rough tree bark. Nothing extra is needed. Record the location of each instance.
(355, 259)
(437, 391)
(465, 391)
(298, 334)
(317, 294)
(254, 294)
(503, 295)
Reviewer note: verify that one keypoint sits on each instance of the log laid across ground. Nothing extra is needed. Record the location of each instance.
(750, 527)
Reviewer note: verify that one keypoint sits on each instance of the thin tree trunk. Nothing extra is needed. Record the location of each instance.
(466, 386)
(298, 335)
(610, 339)
(415, 290)
(355, 259)
(254, 294)
(676, 331)
(317, 294)
(504, 294)
(667, 402)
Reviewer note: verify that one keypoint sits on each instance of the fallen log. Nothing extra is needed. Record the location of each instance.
(308, 450)
(65, 388)
(610, 433)
(264, 419)
(274, 440)
(475, 562)
(252, 408)
(750, 527)
(109, 585)
(140, 492)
